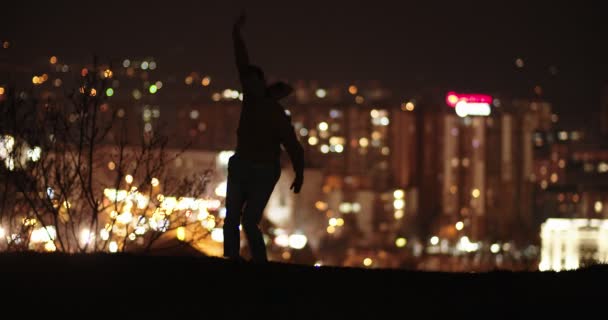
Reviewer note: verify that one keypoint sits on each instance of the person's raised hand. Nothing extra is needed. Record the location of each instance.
(296, 186)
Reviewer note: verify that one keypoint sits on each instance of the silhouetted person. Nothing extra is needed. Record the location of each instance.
(254, 169)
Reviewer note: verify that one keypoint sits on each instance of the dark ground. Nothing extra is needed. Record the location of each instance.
(114, 286)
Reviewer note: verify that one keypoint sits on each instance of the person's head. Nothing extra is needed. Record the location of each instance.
(279, 90)
(256, 81)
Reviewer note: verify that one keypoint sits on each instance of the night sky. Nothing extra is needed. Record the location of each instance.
(407, 45)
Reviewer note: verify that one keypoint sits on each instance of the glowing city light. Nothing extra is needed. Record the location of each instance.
(459, 225)
(86, 236)
(476, 193)
(297, 241)
(368, 262)
(598, 206)
(364, 142)
(153, 89)
(222, 189)
(155, 182)
(206, 81)
(181, 233)
(353, 89)
(113, 247)
(434, 240)
(129, 179)
(321, 93)
(400, 242)
(333, 222)
(495, 248)
(217, 235)
(323, 126)
(109, 92)
(399, 204)
(398, 194)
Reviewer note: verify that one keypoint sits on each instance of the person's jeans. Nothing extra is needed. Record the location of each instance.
(250, 186)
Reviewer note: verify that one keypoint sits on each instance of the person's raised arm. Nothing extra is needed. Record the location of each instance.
(240, 50)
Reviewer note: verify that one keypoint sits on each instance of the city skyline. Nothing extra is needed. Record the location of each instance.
(509, 48)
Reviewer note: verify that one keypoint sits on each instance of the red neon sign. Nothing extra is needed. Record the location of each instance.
(453, 98)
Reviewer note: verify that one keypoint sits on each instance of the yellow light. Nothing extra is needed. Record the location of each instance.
(323, 126)
(331, 229)
(374, 113)
(399, 204)
(339, 222)
(554, 178)
(155, 182)
(353, 90)
(93, 92)
(216, 97)
(359, 100)
(206, 81)
(286, 255)
(313, 141)
(400, 242)
(50, 246)
(36, 80)
(188, 80)
(53, 60)
(459, 225)
(562, 163)
(321, 93)
(153, 88)
(399, 214)
(320, 205)
(217, 235)
(376, 135)
(111, 165)
(434, 240)
(113, 247)
(324, 148)
(364, 142)
(598, 206)
(104, 234)
(398, 194)
(108, 73)
(367, 262)
(181, 233)
(410, 106)
(333, 222)
(339, 148)
(475, 193)
(129, 179)
(1, 91)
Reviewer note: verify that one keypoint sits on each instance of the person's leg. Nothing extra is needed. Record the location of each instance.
(235, 198)
(260, 188)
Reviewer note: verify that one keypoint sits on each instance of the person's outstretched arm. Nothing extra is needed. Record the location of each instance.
(294, 149)
(240, 50)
